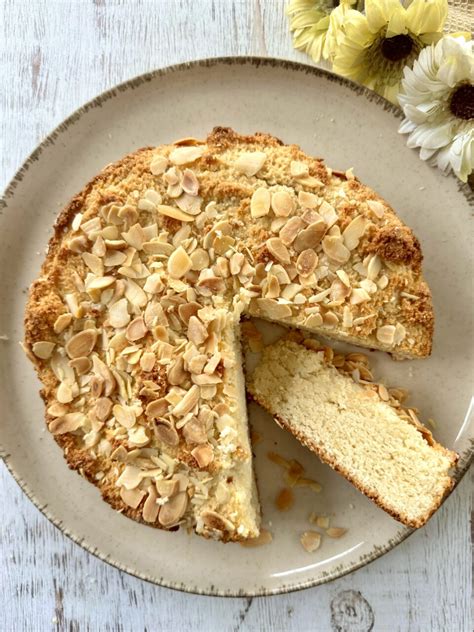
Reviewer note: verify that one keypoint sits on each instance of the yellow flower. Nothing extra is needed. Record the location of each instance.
(374, 48)
(315, 25)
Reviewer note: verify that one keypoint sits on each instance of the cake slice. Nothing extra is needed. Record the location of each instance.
(355, 426)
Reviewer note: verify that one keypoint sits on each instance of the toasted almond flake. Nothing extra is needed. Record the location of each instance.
(273, 287)
(158, 165)
(386, 334)
(308, 200)
(197, 332)
(136, 329)
(260, 202)
(290, 230)
(195, 432)
(273, 310)
(250, 163)
(62, 322)
(132, 497)
(310, 237)
(176, 373)
(190, 204)
(190, 183)
(204, 454)
(282, 204)
(150, 508)
(377, 208)
(277, 249)
(335, 249)
(125, 415)
(167, 488)
(314, 320)
(373, 267)
(383, 282)
(135, 294)
(68, 423)
(328, 213)
(369, 286)
(82, 365)
(285, 499)
(130, 478)
(43, 349)
(339, 291)
(306, 262)
(400, 333)
(335, 532)
(188, 402)
(94, 263)
(147, 361)
(217, 522)
(174, 213)
(265, 537)
(343, 277)
(172, 511)
(157, 408)
(138, 437)
(118, 314)
(299, 169)
(64, 393)
(147, 205)
(354, 231)
(82, 344)
(310, 541)
(185, 155)
(103, 408)
(359, 295)
(57, 410)
(347, 318)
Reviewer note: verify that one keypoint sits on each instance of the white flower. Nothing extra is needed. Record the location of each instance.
(438, 102)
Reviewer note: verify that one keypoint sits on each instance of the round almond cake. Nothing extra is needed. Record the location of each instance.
(133, 323)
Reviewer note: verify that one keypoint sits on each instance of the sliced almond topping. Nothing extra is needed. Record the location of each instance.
(308, 200)
(260, 202)
(185, 155)
(132, 497)
(136, 329)
(57, 410)
(64, 393)
(217, 522)
(189, 203)
(377, 208)
(199, 259)
(313, 320)
(359, 295)
(147, 361)
(400, 333)
(277, 248)
(43, 349)
(68, 423)
(273, 310)
(188, 402)
(204, 454)
(386, 334)
(172, 511)
(158, 165)
(82, 365)
(167, 488)
(335, 249)
(373, 267)
(175, 213)
(82, 343)
(282, 204)
(176, 373)
(354, 232)
(103, 408)
(310, 237)
(339, 291)
(157, 408)
(197, 332)
(306, 262)
(335, 532)
(124, 415)
(130, 478)
(195, 432)
(95, 264)
(273, 287)
(250, 163)
(62, 322)
(190, 183)
(311, 541)
(138, 437)
(150, 508)
(118, 314)
(179, 263)
(166, 432)
(290, 230)
(299, 169)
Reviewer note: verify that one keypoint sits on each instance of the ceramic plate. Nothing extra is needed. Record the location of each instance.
(330, 117)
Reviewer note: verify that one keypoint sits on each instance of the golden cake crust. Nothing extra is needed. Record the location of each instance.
(385, 243)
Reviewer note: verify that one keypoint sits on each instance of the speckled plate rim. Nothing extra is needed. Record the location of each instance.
(466, 458)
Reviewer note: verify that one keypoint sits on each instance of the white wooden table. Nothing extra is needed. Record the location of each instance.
(56, 54)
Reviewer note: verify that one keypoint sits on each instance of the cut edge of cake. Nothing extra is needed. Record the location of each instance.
(285, 384)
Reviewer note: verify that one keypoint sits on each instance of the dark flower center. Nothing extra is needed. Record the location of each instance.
(462, 102)
(397, 48)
